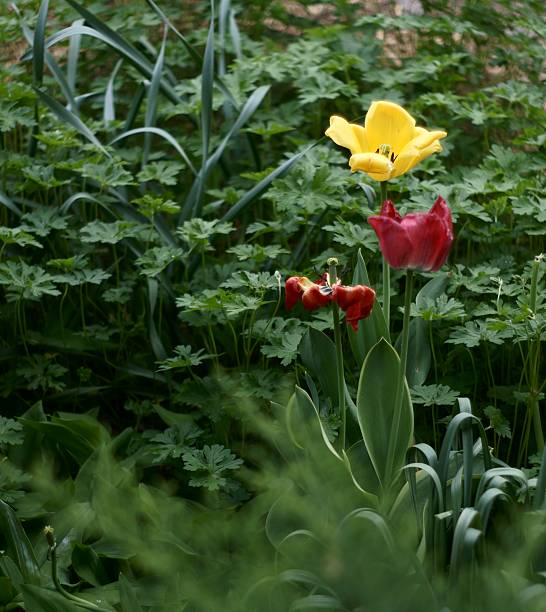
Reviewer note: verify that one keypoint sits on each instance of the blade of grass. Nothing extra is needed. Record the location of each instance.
(9, 204)
(38, 45)
(235, 36)
(135, 107)
(109, 108)
(125, 49)
(207, 87)
(263, 185)
(51, 64)
(69, 117)
(73, 55)
(157, 345)
(247, 111)
(153, 90)
(159, 132)
(166, 20)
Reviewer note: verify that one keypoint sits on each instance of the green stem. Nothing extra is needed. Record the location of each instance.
(332, 263)
(400, 388)
(386, 268)
(48, 531)
(534, 404)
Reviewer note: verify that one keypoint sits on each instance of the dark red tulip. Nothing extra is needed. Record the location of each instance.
(357, 302)
(420, 241)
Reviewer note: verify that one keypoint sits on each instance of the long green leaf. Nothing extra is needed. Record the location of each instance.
(157, 345)
(73, 56)
(207, 89)
(38, 45)
(159, 132)
(18, 544)
(9, 204)
(109, 108)
(463, 419)
(247, 111)
(112, 39)
(52, 65)
(153, 90)
(69, 117)
(465, 538)
(169, 23)
(263, 185)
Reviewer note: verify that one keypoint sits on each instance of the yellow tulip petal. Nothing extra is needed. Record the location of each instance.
(406, 160)
(426, 138)
(360, 134)
(388, 123)
(435, 147)
(377, 166)
(344, 134)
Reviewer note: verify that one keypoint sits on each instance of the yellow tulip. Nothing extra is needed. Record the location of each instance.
(388, 145)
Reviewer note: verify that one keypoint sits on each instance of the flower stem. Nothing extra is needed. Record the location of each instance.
(386, 269)
(52, 549)
(400, 388)
(534, 401)
(332, 263)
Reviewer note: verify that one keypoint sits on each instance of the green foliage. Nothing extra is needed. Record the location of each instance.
(161, 174)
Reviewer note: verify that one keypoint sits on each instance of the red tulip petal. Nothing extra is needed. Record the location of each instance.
(357, 302)
(431, 240)
(292, 292)
(389, 210)
(393, 239)
(316, 296)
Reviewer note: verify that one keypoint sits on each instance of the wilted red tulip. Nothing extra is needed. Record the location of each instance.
(357, 301)
(313, 295)
(420, 241)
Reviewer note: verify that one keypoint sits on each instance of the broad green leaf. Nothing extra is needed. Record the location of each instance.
(70, 441)
(88, 566)
(378, 414)
(318, 355)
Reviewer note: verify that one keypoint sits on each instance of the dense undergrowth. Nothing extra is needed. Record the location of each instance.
(162, 174)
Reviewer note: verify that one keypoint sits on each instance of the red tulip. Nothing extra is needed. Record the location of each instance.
(357, 302)
(420, 241)
(313, 295)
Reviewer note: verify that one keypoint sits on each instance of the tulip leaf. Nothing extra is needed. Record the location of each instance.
(372, 329)
(318, 354)
(419, 351)
(377, 410)
(17, 545)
